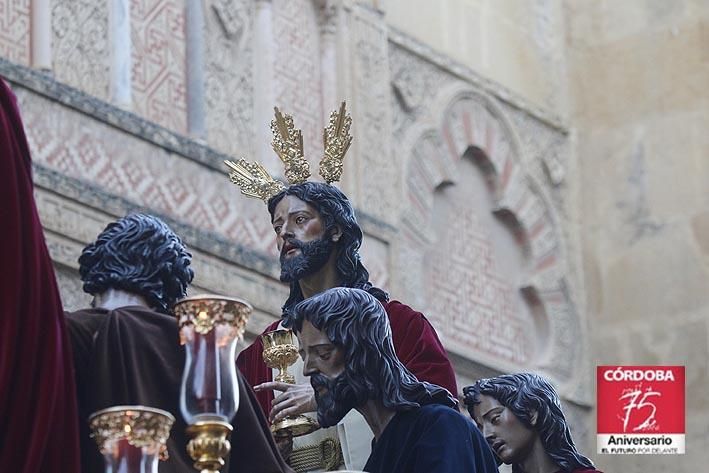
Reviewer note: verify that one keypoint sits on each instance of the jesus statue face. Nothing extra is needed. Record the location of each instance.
(300, 235)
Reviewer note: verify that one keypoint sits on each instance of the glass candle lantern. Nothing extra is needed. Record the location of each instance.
(210, 327)
(131, 438)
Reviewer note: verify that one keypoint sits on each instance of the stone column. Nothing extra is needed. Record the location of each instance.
(41, 34)
(264, 96)
(194, 31)
(120, 47)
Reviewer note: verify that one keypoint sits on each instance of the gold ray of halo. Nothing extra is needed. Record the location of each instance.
(253, 179)
(337, 140)
(288, 145)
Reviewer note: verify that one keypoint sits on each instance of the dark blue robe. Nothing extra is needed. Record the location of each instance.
(431, 439)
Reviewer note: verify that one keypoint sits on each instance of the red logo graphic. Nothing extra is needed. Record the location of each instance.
(640, 399)
(640, 409)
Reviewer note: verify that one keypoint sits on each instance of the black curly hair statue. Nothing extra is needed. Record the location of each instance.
(355, 321)
(523, 394)
(138, 254)
(335, 210)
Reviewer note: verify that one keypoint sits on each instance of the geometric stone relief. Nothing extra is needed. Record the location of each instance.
(143, 173)
(486, 306)
(70, 225)
(377, 168)
(15, 31)
(80, 53)
(415, 83)
(158, 74)
(544, 145)
(296, 70)
(473, 265)
(547, 147)
(229, 77)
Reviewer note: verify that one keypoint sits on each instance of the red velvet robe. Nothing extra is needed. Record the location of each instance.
(37, 398)
(415, 342)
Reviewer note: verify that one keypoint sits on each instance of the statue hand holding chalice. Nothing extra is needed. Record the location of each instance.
(280, 351)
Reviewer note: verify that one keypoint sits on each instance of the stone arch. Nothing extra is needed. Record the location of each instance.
(468, 126)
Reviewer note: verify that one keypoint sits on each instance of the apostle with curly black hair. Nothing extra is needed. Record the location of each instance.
(126, 347)
(521, 418)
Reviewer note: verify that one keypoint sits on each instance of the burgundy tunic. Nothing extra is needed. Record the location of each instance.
(415, 342)
(37, 400)
(132, 355)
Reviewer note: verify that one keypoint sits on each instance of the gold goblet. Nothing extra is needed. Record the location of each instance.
(280, 351)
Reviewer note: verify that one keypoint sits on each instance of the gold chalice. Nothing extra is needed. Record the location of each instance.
(280, 351)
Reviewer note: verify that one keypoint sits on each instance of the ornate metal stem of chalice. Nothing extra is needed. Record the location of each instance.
(280, 351)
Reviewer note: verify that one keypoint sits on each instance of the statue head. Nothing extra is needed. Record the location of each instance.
(340, 233)
(138, 254)
(513, 410)
(345, 341)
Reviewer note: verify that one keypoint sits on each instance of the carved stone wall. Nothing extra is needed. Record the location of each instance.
(296, 70)
(15, 30)
(165, 183)
(158, 61)
(229, 76)
(377, 168)
(436, 130)
(80, 45)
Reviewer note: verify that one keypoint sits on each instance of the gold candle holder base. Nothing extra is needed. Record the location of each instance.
(209, 444)
(294, 426)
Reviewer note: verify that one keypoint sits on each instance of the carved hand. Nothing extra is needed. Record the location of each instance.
(294, 399)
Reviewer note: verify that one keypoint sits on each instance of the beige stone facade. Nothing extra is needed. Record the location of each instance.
(532, 175)
(638, 73)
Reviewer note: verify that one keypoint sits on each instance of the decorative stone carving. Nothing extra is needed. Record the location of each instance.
(70, 288)
(296, 70)
(15, 31)
(166, 184)
(229, 77)
(415, 83)
(80, 45)
(235, 19)
(158, 56)
(376, 166)
(471, 124)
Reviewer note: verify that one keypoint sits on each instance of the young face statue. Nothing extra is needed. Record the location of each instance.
(508, 437)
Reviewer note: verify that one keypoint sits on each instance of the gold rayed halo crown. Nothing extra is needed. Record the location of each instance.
(255, 181)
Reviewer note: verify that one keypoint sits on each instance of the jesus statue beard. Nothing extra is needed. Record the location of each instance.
(313, 256)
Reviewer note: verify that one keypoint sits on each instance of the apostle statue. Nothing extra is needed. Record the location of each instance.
(126, 346)
(521, 418)
(348, 354)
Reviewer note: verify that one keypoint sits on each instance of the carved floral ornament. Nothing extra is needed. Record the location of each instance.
(203, 312)
(142, 427)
